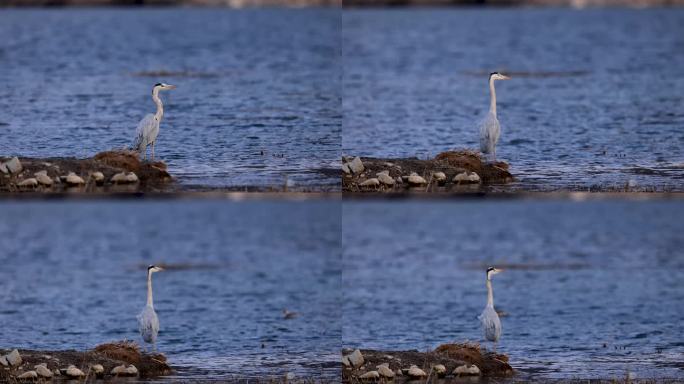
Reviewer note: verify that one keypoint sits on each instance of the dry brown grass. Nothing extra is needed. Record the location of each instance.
(488, 362)
(127, 351)
(125, 159)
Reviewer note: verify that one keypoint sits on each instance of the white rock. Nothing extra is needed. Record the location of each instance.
(98, 177)
(385, 179)
(74, 179)
(398, 372)
(415, 179)
(356, 358)
(28, 183)
(28, 375)
(132, 370)
(124, 178)
(119, 370)
(43, 178)
(439, 176)
(72, 371)
(345, 361)
(14, 358)
(439, 369)
(57, 372)
(467, 177)
(97, 368)
(467, 370)
(384, 371)
(370, 183)
(3, 361)
(3, 168)
(385, 172)
(370, 375)
(290, 376)
(43, 371)
(416, 372)
(356, 165)
(14, 165)
(345, 168)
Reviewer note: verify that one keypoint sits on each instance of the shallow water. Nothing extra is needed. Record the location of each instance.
(594, 101)
(73, 275)
(592, 290)
(257, 102)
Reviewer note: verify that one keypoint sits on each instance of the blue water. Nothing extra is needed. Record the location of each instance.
(595, 100)
(592, 290)
(257, 103)
(73, 275)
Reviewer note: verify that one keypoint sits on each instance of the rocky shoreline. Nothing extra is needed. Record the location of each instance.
(457, 360)
(110, 360)
(110, 171)
(454, 171)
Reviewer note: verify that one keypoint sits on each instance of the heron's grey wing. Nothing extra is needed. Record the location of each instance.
(491, 325)
(142, 134)
(489, 133)
(148, 323)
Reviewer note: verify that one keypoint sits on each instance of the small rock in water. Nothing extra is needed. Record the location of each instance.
(43, 371)
(98, 177)
(384, 371)
(72, 371)
(345, 168)
(356, 358)
(43, 178)
(439, 369)
(416, 372)
(467, 370)
(467, 177)
(370, 183)
(345, 361)
(74, 179)
(3, 168)
(28, 375)
(14, 165)
(385, 179)
(356, 165)
(14, 358)
(125, 178)
(415, 179)
(132, 370)
(439, 176)
(290, 376)
(370, 375)
(28, 183)
(3, 361)
(98, 369)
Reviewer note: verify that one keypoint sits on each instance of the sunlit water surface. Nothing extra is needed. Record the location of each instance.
(591, 290)
(257, 102)
(595, 98)
(73, 275)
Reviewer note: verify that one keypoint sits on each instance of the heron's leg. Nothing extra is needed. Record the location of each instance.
(153, 151)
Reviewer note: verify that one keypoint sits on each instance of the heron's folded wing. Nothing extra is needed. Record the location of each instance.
(144, 127)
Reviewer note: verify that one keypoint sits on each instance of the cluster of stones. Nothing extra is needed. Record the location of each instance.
(41, 178)
(14, 361)
(355, 361)
(383, 179)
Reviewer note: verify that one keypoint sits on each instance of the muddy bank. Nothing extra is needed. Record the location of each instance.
(117, 359)
(453, 171)
(446, 361)
(111, 171)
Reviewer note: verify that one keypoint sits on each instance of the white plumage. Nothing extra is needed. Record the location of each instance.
(148, 128)
(148, 322)
(491, 324)
(490, 130)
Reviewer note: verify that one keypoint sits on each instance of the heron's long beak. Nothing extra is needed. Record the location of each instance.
(169, 86)
(504, 77)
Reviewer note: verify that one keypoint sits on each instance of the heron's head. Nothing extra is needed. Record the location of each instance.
(154, 268)
(498, 76)
(491, 271)
(163, 87)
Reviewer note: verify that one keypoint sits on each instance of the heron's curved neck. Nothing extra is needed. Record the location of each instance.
(149, 289)
(490, 294)
(160, 106)
(492, 97)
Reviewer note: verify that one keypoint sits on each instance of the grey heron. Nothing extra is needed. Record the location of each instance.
(148, 127)
(489, 127)
(491, 325)
(147, 319)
